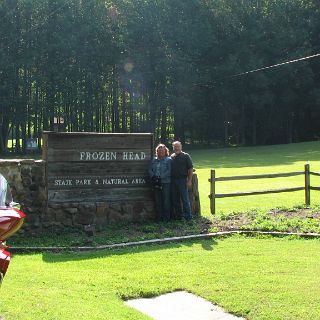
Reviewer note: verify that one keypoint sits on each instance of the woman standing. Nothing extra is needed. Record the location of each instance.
(160, 173)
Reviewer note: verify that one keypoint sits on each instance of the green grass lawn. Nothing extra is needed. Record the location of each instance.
(258, 278)
(256, 160)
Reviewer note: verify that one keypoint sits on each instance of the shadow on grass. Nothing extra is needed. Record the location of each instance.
(50, 257)
(112, 234)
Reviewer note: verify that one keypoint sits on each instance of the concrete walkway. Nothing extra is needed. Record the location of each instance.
(180, 305)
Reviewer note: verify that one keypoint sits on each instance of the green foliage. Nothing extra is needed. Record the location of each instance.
(113, 233)
(159, 66)
(267, 222)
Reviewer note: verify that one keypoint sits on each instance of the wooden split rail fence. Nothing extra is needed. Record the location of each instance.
(307, 187)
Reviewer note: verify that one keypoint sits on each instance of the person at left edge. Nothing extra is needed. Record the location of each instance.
(160, 173)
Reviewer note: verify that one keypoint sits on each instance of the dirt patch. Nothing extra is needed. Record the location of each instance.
(301, 213)
(277, 220)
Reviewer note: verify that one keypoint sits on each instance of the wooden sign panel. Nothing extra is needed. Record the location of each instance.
(97, 167)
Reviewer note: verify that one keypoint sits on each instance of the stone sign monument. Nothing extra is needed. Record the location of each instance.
(102, 177)
(86, 179)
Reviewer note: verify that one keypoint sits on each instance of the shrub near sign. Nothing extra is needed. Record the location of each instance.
(84, 168)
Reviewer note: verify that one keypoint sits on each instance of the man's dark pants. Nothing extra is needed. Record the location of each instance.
(180, 195)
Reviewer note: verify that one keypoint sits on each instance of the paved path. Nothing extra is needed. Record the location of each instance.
(180, 305)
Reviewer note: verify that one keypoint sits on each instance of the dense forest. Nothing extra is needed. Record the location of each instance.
(176, 68)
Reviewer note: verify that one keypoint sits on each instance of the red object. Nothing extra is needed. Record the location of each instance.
(11, 220)
(4, 262)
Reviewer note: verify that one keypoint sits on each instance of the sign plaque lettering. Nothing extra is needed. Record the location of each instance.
(97, 167)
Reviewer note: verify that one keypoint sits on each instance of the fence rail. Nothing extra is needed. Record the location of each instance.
(307, 187)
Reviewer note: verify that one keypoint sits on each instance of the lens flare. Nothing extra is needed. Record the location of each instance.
(128, 66)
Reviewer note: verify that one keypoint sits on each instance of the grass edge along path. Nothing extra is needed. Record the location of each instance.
(21, 249)
(254, 277)
(304, 220)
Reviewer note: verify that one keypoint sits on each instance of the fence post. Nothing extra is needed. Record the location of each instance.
(307, 183)
(213, 191)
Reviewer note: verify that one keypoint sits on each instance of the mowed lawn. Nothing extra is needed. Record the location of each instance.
(257, 160)
(258, 278)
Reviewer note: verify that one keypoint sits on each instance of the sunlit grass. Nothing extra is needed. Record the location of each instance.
(268, 278)
(257, 160)
(257, 278)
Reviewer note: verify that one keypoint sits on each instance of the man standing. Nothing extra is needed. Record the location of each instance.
(181, 173)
